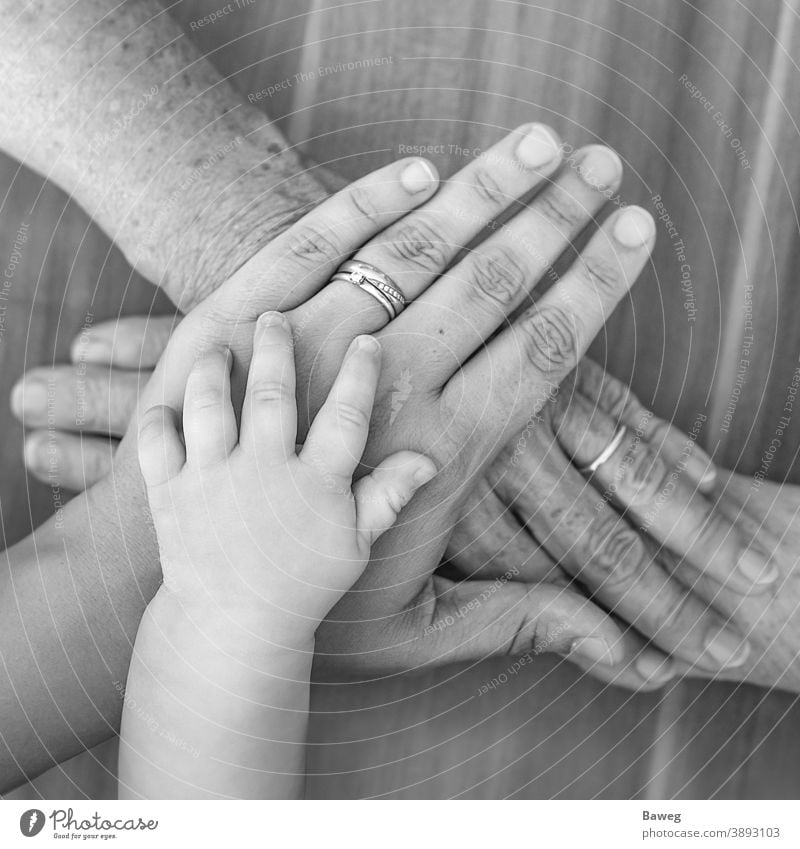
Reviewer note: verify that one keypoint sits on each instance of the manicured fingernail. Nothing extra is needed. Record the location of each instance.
(425, 472)
(592, 649)
(369, 344)
(419, 176)
(600, 167)
(29, 398)
(91, 350)
(634, 227)
(35, 454)
(758, 568)
(726, 649)
(538, 146)
(655, 669)
(272, 319)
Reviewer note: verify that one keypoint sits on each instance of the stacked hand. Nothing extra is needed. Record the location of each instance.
(448, 395)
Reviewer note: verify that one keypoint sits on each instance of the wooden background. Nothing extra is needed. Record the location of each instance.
(463, 72)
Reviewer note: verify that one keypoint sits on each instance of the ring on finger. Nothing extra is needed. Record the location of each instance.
(375, 283)
(608, 452)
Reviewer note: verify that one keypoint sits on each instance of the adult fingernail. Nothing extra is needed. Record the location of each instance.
(538, 146)
(653, 668)
(757, 568)
(419, 176)
(726, 649)
(29, 398)
(634, 227)
(35, 453)
(592, 649)
(425, 472)
(600, 167)
(91, 350)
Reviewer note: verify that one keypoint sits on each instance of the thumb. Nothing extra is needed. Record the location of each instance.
(382, 494)
(132, 342)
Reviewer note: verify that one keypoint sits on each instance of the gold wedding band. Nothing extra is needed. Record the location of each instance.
(608, 452)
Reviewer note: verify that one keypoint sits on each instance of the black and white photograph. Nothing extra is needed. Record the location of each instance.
(401, 401)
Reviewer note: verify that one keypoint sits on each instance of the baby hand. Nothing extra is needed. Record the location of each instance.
(256, 537)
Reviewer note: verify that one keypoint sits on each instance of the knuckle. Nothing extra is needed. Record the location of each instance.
(601, 274)
(310, 247)
(488, 189)
(551, 339)
(616, 552)
(561, 210)
(498, 276)
(642, 476)
(269, 392)
(419, 242)
(351, 415)
(364, 203)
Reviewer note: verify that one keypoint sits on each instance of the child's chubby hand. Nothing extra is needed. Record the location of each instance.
(256, 538)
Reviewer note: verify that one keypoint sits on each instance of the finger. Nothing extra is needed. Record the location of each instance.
(66, 460)
(475, 296)
(269, 414)
(617, 399)
(130, 342)
(310, 251)
(382, 494)
(490, 541)
(593, 543)
(82, 398)
(209, 425)
(524, 364)
(338, 434)
(660, 502)
(415, 250)
(643, 667)
(473, 620)
(161, 451)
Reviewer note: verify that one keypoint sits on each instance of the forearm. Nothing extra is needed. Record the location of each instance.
(71, 600)
(117, 106)
(204, 716)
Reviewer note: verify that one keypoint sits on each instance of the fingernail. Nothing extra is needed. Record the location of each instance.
(368, 343)
(29, 398)
(271, 319)
(600, 167)
(418, 176)
(726, 649)
(35, 454)
(425, 472)
(708, 477)
(758, 568)
(92, 350)
(634, 227)
(655, 669)
(592, 649)
(538, 146)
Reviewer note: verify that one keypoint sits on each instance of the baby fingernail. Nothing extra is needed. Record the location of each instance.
(418, 176)
(653, 668)
(35, 453)
(369, 344)
(272, 319)
(538, 146)
(592, 649)
(425, 472)
(726, 649)
(757, 568)
(29, 398)
(600, 168)
(634, 227)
